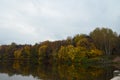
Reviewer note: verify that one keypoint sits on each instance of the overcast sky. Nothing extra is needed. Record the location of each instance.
(31, 21)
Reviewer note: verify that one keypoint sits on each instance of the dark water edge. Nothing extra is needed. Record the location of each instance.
(25, 70)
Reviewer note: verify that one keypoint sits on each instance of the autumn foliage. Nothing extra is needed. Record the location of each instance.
(100, 42)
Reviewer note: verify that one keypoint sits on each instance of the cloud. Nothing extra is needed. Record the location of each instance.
(30, 21)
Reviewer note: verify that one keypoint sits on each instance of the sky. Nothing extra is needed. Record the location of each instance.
(34, 21)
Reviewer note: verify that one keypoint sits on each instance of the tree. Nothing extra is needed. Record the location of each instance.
(42, 51)
(17, 54)
(26, 52)
(66, 53)
(75, 54)
(105, 39)
(44, 54)
(83, 41)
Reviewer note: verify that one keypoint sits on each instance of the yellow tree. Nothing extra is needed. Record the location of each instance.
(66, 53)
(17, 54)
(42, 52)
(26, 52)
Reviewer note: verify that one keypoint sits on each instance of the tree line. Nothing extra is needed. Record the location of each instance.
(101, 41)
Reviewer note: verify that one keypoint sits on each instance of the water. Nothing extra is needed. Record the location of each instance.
(18, 70)
(16, 77)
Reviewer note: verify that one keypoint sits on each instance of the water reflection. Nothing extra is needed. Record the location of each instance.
(16, 77)
(30, 71)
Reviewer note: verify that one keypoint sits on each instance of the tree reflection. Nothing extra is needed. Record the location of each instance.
(56, 71)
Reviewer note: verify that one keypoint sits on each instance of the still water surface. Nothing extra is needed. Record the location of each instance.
(16, 70)
(16, 77)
